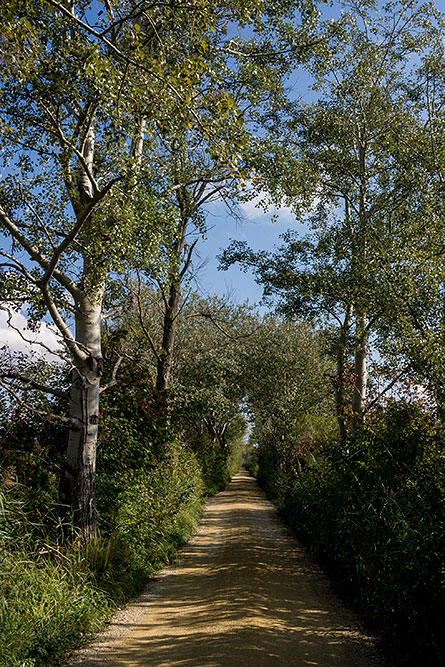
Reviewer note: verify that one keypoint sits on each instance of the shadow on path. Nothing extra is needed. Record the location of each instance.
(243, 594)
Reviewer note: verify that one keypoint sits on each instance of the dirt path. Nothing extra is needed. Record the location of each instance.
(242, 595)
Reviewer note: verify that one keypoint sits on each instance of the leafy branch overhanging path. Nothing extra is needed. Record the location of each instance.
(243, 594)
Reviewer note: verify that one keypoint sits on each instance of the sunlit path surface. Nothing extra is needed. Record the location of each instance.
(242, 594)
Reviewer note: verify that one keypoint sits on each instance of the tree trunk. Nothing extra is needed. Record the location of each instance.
(165, 359)
(361, 333)
(217, 435)
(360, 369)
(339, 388)
(77, 487)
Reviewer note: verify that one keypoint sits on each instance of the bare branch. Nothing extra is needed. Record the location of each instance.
(207, 315)
(188, 260)
(38, 256)
(24, 379)
(30, 341)
(68, 337)
(17, 266)
(113, 380)
(114, 311)
(385, 390)
(67, 421)
(142, 323)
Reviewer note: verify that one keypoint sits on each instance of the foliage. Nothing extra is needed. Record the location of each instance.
(374, 513)
(92, 94)
(31, 453)
(134, 430)
(219, 466)
(209, 372)
(360, 165)
(287, 396)
(157, 510)
(53, 596)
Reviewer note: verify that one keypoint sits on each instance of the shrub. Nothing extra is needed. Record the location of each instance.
(373, 511)
(157, 509)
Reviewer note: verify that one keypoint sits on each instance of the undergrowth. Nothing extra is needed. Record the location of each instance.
(53, 595)
(150, 493)
(373, 512)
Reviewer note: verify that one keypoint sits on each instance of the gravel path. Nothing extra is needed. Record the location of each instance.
(243, 594)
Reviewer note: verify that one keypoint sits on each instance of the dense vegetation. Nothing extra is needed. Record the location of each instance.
(151, 487)
(373, 513)
(121, 121)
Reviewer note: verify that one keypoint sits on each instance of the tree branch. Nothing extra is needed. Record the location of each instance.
(188, 260)
(137, 65)
(385, 390)
(84, 217)
(210, 317)
(68, 337)
(113, 380)
(32, 342)
(24, 379)
(67, 421)
(37, 256)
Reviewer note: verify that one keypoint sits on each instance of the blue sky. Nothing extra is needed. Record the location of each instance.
(256, 228)
(253, 226)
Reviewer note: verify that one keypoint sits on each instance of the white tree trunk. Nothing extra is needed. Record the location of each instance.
(360, 369)
(78, 478)
(339, 387)
(361, 331)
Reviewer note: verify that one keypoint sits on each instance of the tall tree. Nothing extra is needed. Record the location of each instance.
(198, 169)
(340, 158)
(86, 89)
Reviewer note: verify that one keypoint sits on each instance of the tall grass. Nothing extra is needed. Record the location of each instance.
(53, 596)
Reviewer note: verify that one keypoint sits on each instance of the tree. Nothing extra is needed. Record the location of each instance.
(417, 273)
(341, 158)
(87, 88)
(287, 395)
(194, 170)
(209, 370)
(76, 130)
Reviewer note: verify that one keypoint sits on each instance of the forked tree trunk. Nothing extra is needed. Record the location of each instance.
(78, 480)
(217, 435)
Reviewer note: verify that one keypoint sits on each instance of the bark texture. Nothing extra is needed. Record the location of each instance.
(360, 368)
(340, 384)
(77, 489)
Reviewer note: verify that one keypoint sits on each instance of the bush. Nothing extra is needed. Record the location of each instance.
(46, 600)
(217, 465)
(52, 596)
(373, 511)
(48, 605)
(157, 510)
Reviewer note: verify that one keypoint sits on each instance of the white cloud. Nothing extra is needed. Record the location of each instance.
(253, 209)
(15, 335)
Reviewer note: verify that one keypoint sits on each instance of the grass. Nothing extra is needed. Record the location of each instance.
(53, 597)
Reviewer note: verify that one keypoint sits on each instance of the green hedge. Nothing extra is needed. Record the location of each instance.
(373, 512)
